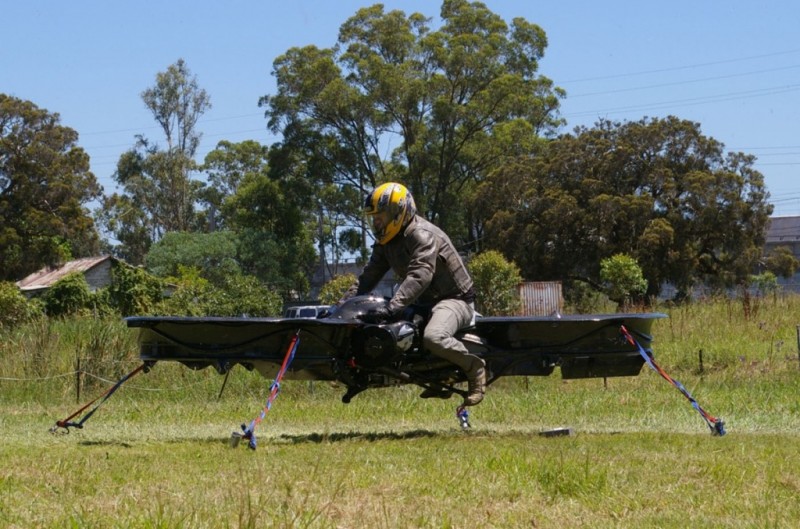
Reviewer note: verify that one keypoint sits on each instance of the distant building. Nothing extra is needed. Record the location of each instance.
(541, 298)
(785, 231)
(96, 270)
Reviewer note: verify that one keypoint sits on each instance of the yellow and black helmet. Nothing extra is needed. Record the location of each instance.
(394, 203)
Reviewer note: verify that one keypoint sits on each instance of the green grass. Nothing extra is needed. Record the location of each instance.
(157, 454)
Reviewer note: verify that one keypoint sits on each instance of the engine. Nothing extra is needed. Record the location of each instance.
(380, 344)
(384, 344)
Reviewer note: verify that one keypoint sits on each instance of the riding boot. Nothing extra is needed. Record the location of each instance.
(476, 387)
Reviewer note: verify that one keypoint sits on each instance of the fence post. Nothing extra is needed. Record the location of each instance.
(798, 343)
(78, 378)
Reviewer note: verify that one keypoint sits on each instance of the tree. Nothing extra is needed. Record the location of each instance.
(267, 209)
(45, 185)
(275, 244)
(623, 279)
(213, 254)
(331, 209)
(226, 167)
(177, 102)
(656, 190)
(496, 284)
(158, 194)
(446, 105)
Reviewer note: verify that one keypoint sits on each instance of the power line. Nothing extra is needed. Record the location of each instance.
(679, 83)
(685, 67)
(204, 135)
(692, 101)
(765, 148)
(150, 127)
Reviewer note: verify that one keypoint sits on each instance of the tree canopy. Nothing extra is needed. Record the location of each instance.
(45, 189)
(398, 99)
(158, 195)
(453, 107)
(656, 189)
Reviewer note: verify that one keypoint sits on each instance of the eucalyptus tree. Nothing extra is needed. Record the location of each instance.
(434, 107)
(226, 168)
(657, 190)
(274, 242)
(268, 211)
(158, 194)
(45, 189)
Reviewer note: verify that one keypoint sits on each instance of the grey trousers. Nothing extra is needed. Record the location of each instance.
(447, 318)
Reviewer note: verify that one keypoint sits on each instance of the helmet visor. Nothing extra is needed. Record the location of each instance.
(380, 221)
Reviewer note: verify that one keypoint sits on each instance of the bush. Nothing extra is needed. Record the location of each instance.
(191, 296)
(496, 284)
(133, 291)
(766, 283)
(240, 296)
(244, 295)
(583, 298)
(69, 295)
(623, 279)
(334, 289)
(15, 309)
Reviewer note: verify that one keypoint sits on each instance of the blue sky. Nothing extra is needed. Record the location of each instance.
(733, 67)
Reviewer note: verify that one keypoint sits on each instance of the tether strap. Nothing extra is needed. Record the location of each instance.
(717, 426)
(249, 431)
(67, 423)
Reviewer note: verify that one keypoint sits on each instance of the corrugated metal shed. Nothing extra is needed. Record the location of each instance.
(541, 298)
(97, 271)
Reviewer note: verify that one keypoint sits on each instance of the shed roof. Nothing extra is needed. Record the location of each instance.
(45, 277)
(783, 229)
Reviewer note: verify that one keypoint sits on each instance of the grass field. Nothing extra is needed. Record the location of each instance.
(157, 454)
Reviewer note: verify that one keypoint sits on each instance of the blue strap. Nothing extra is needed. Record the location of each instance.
(68, 423)
(716, 425)
(274, 389)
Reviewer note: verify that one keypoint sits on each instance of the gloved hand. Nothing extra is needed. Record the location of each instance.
(378, 315)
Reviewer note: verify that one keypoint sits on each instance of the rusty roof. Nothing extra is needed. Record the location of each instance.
(45, 277)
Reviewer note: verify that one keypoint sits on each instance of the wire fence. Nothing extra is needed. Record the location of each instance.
(79, 376)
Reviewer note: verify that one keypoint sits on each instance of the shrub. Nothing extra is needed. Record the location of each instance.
(245, 295)
(766, 283)
(623, 279)
(496, 284)
(69, 295)
(14, 307)
(133, 291)
(334, 289)
(583, 298)
(240, 295)
(191, 296)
